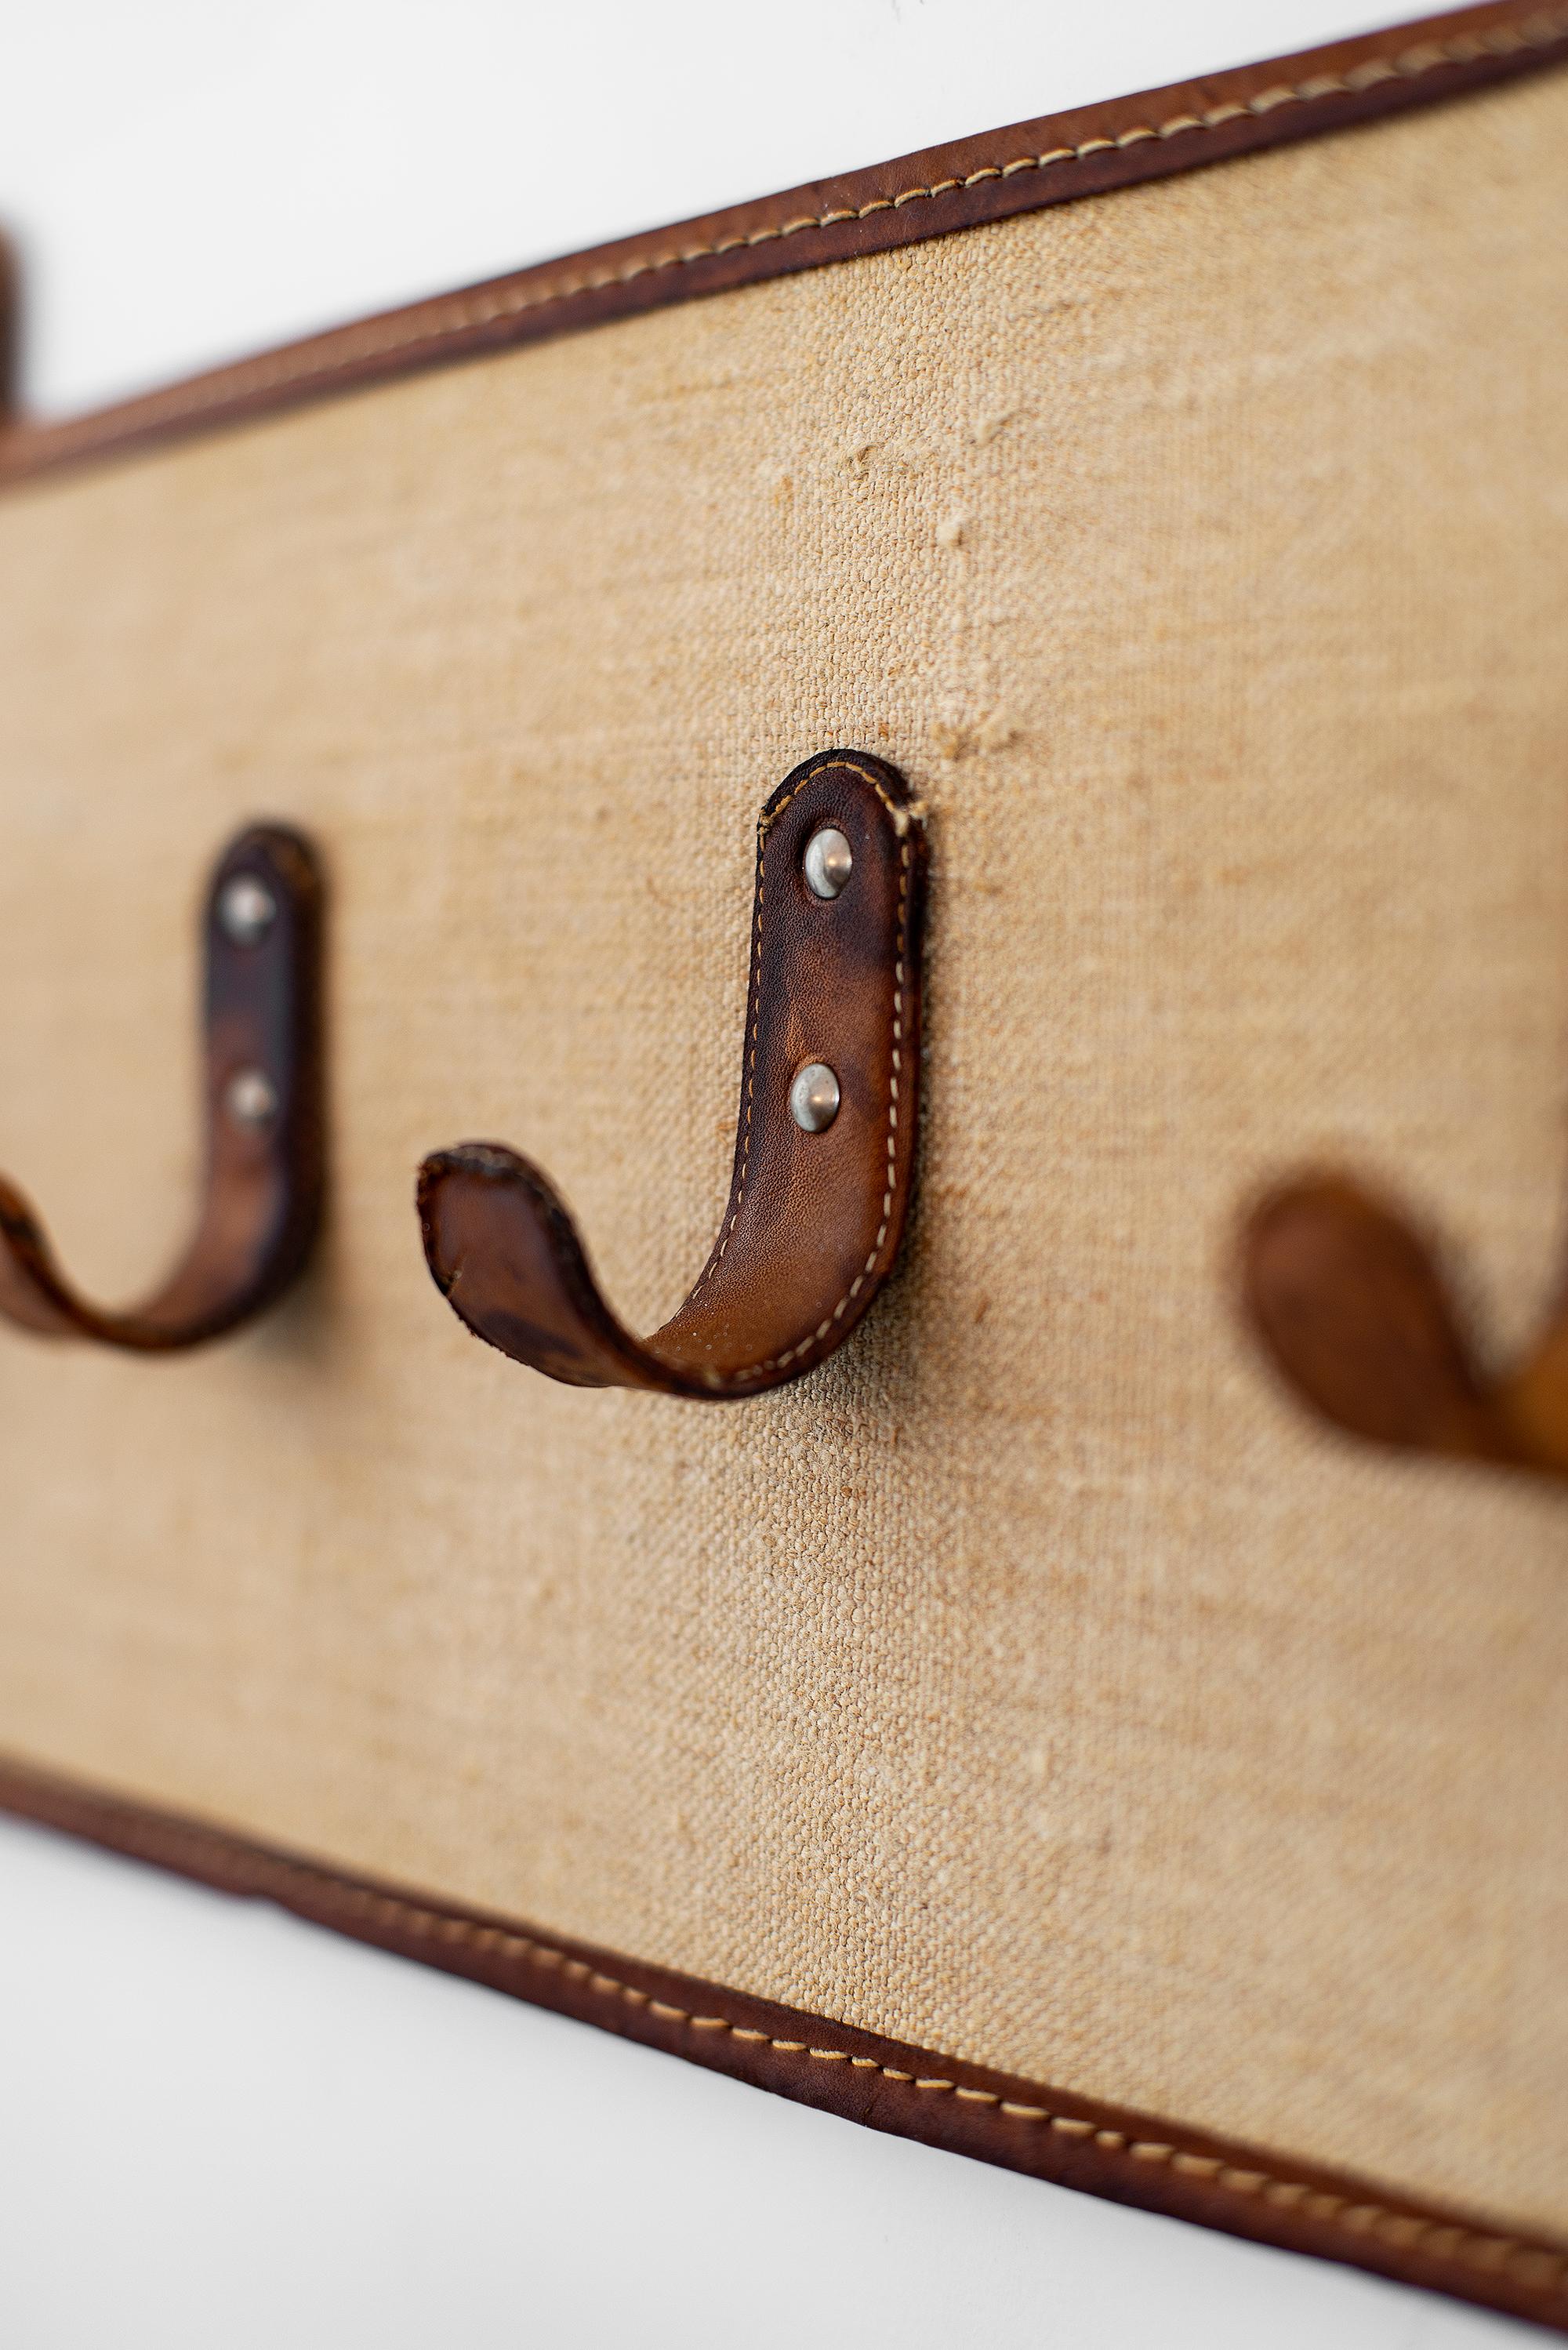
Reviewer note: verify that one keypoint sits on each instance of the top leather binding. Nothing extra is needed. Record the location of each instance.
(1083, 151)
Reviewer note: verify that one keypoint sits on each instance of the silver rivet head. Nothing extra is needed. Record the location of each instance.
(813, 1097)
(251, 1098)
(247, 910)
(829, 861)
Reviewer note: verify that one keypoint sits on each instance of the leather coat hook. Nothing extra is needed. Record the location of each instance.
(263, 1203)
(1358, 1319)
(829, 1101)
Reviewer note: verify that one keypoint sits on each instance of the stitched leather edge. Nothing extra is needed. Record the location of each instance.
(1111, 2151)
(1055, 158)
(908, 817)
(1018, 2125)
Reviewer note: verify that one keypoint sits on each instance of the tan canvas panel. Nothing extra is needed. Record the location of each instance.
(1034, 1683)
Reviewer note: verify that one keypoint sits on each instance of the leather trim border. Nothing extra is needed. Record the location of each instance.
(1111, 2151)
(1087, 151)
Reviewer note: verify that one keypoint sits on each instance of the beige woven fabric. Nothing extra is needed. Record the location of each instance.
(1033, 1682)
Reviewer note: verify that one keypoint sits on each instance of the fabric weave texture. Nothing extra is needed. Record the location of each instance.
(1033, 1682)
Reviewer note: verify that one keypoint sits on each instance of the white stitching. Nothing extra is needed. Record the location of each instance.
(1540, 2266)
(1542, 31)
(823, 1328)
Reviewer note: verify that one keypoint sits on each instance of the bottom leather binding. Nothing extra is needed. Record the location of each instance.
(1112, 2151)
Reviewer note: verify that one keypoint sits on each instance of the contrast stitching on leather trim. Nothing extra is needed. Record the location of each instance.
(1537, 2266)
(1542, 31)
(902, 816)
(765, 823)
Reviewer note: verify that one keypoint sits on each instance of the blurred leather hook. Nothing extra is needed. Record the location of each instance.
(1358, 1319)
(265, 1165)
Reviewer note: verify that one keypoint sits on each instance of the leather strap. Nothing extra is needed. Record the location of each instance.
(886, 2085)
(1353, 1308)
(1086, 150)
(261, 1027)
(814, 1216)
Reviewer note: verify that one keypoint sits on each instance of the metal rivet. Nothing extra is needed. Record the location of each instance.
(829, 861)
(813, 1097)
(251, 1098)
(246, 908)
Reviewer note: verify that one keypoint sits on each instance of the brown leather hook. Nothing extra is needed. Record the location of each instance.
(263, 1203)
(1358, 1319)
(814, 1216)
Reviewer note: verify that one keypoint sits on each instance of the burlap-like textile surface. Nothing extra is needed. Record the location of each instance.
(1033, 1682)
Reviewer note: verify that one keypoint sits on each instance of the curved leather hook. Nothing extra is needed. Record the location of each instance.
(815, 1217)
(263, 1202)
(1358, 1319)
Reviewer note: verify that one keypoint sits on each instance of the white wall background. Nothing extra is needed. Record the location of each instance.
(190, 181)
(220, 2128)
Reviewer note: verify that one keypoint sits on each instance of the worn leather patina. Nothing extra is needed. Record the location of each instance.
(262, 1207)
(814, 1219)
